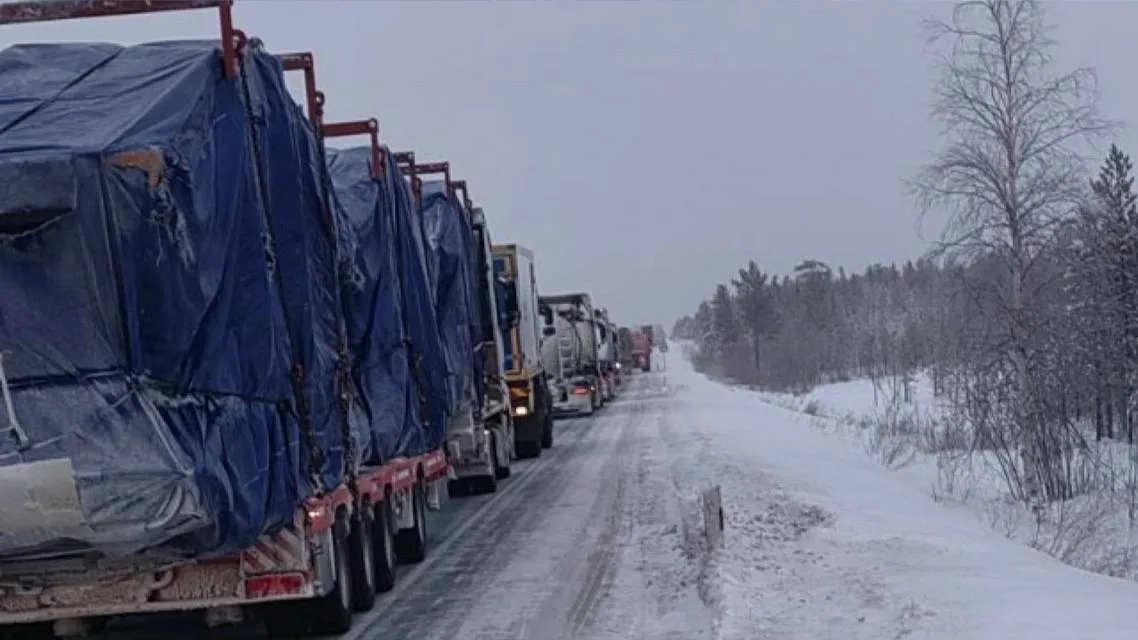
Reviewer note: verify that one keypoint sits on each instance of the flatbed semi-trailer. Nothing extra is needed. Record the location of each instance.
(304, 577)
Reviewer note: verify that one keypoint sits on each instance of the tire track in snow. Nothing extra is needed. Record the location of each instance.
(457, 597)
(601, 565)
(554, 558)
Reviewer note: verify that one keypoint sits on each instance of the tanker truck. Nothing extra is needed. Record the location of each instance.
(606, 354)
(569, 353)
(624, 349)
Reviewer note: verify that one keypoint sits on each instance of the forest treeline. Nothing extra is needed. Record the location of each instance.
(947, 318)
(1025, 313)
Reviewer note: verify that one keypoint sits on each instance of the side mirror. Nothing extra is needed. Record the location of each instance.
(547, 314)
(548, 331)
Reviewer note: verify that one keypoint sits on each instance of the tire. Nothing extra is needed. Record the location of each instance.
(411, 544)
(489, 484)
(383, 548)
(458, 488)
(547, 435)
(361, 550)
(529, 449)
(502, 471)
(29, 631)
(330, 614)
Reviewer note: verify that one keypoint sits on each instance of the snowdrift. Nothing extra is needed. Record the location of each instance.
(164, 267)
(398, 368)
(453, 261)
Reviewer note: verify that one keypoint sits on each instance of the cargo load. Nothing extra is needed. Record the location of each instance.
(171, 363)
(453, 262)
(398, 366)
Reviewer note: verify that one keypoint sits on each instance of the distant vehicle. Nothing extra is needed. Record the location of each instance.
(625, 357)
(570, 352)
(524, 367)
(607, 363)
(642, 348)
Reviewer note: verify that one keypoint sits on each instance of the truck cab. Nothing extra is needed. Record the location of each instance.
(521, 339)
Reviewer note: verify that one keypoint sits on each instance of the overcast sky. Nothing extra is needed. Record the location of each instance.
(646, 150)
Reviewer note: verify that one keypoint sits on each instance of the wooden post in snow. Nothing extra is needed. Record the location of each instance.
(713, 520)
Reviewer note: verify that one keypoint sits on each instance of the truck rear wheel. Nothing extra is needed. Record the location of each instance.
(411, 544)
(383, 548)
(361, 548)
(330, 614)
(547, 431)
(29, 631)
(489, 483)
(529, 449)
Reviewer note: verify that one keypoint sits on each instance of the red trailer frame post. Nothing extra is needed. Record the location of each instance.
(368, 128)
(232, 40)
(437, 167)
(405, 160)
(303, 61)
(460, 185)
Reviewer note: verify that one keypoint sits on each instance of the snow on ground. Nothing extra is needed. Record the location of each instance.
(823, 542)
(920, 440)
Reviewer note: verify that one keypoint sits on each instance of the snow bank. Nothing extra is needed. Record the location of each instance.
(919, 439)
(824, 542)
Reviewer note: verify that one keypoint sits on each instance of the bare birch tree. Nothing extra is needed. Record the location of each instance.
(1011, 174)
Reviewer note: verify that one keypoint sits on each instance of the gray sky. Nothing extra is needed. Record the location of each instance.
(646, 150)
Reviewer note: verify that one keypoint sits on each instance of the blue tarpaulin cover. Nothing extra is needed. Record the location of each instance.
(398, 364)
(453, 258)
(151, 312)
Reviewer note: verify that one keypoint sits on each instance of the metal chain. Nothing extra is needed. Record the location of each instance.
(316, 458)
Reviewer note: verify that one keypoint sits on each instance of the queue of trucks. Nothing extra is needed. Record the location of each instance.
(239, 365)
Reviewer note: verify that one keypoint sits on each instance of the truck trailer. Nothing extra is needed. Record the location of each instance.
(570, 352)
(522, 338)
(480, 438)
(279, 406)
(625, 357)
(641, 348)
(607, 363)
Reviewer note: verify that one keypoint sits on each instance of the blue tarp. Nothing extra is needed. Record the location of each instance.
(151, 311)
(398, 364)
(453, 258)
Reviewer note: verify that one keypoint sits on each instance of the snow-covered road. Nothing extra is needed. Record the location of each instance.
(601, 539)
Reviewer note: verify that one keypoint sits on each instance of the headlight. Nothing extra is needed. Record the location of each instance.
(521, 412)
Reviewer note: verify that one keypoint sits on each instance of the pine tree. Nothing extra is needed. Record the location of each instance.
(757, 313)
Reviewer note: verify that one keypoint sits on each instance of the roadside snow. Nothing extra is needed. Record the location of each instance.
(823, 542)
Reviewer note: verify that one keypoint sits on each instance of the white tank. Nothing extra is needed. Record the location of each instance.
(572, 347)
(605, 333)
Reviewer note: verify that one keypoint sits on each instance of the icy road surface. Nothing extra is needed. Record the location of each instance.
(601, 539)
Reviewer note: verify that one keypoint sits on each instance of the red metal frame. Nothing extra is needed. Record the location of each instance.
(405, 160)
(303, 61)
(460, 185)
(368, 128)
(232, 40)
(437, 167)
